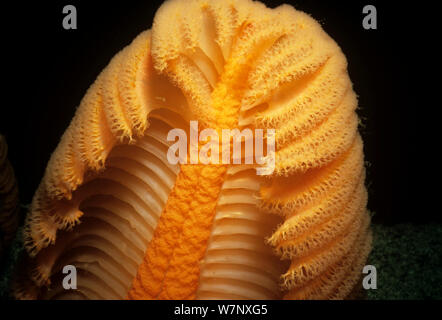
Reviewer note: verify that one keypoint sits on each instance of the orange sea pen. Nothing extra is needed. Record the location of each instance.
(8, 198)
(153, 230)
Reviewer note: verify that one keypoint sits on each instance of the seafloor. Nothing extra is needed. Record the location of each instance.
(407, 257)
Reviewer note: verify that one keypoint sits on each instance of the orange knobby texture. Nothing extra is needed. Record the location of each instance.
(170, 269)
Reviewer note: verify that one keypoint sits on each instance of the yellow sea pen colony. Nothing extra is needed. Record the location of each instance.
(137, 226)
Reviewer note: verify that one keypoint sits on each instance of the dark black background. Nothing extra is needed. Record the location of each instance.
(46, 71)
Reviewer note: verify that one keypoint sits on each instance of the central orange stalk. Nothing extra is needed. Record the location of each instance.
(170, 269)
(171, 265)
